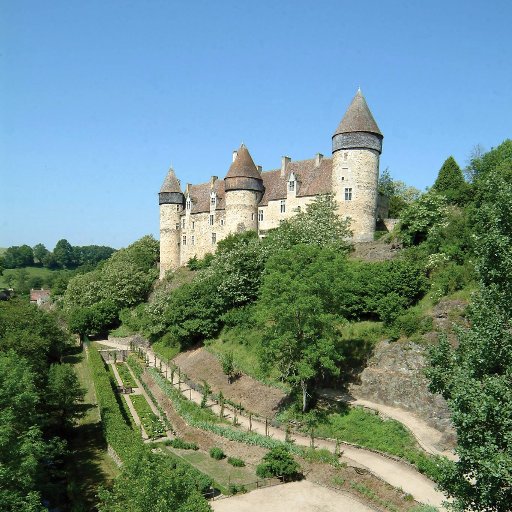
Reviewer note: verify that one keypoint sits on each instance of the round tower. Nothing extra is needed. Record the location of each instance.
(171, 200)
(356, 148)
(244, 190)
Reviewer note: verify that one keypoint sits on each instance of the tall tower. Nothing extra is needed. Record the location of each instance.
(171, 201)
(356, 148)
(244, 190)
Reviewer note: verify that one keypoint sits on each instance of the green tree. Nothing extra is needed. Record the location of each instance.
(279, 462)
(475, 377)
(18, 257)
(450, 182)
(40, 253)
(398, 193)
(295, 297)
(64, 254)
(21, 443)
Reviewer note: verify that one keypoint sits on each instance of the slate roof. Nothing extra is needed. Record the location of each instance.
(243, 166)
(358, 118)
(171, 183)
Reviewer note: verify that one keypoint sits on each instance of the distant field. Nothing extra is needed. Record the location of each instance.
(31, 271)
(2, 250)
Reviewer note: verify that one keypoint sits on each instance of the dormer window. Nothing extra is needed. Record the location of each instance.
(213, 199)
(188, 204)
(292, 183)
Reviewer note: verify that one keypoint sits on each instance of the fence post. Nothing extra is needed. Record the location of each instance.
(266, 426)
(250, 422)
(312, 434)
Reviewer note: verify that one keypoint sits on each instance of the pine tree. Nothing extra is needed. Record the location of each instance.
(450, 182)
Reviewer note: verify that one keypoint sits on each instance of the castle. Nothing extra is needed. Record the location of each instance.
(194, 221)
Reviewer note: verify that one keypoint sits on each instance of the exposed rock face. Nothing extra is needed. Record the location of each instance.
(394, 376)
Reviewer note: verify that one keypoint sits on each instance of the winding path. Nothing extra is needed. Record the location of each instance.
(397, 473)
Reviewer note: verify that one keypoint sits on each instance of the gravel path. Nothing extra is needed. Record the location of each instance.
(301, 496)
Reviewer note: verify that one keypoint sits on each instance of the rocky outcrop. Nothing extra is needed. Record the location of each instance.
(395, 376)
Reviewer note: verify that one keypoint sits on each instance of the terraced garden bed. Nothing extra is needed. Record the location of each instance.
(150, 421)
(125, 375)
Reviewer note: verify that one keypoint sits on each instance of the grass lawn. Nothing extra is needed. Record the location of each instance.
(90, 466)
(41, 272)
(164, 352)
(219, 470)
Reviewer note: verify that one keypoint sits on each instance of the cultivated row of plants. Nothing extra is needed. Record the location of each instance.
(150, 421)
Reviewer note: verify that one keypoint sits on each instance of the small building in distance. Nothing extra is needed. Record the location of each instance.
(39, 297)
(194, 220)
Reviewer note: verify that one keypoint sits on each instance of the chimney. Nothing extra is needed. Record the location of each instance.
(260, 169)
(213, 179)
(187, 189)
(318, 159)
(235, 154)
(285, 160)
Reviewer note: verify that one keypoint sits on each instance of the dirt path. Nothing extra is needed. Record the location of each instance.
(396, 473)
(426, 436)
(301, 496)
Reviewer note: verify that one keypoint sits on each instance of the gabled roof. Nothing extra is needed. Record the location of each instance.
(243, 166)
(171, 183)
(200, 195)
(358, 118)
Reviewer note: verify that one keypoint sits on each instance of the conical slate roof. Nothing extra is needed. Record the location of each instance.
(358, 118)
(243, 166)
(171, 183)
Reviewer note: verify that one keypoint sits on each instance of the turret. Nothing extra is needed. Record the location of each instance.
(243, 191)
(356, 148)
(170, 199)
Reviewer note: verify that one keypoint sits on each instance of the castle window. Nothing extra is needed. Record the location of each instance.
(252, 216)
(213, 199)
(189, 203)
(222, 222)
(193, 224)
(211, 220)
(177, 226)
(283, 206)
(184, 240)
(291, 186)
(193, 240)
(348, 194)
(177, 207)
(214, 238)
(260, 215)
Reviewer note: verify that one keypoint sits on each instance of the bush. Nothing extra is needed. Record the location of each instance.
(182, 444)
(235, 462)
(237, 489)
(279, 462)
(217, 453)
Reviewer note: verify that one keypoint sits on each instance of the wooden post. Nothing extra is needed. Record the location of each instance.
(287, 433)
(250, 422)
(312, 433)
(266, 426)
(190, 394)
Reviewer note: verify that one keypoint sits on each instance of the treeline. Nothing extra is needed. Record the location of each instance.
(38, 406)
(63, 256)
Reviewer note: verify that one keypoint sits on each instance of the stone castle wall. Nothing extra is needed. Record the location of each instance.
(356, 172)
(169, 238)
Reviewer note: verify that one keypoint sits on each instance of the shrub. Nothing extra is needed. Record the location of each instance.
(217, 453)
(235, 462)
(237, 489)
(182, 444)
(279, 462)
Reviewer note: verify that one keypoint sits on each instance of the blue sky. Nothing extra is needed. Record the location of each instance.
(98, 98)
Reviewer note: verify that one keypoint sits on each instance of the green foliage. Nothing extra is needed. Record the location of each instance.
(398, 193)
(451, 184)
(179, 443)
(237, 489)
(125, 375)
(122, 281)
(475, 376)
(154, 483)
(64, 255)
(150, 421)
(217, 453)
(295, 310)
(279, 462)
(235, 462)
(421, 217)
(18, 257)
